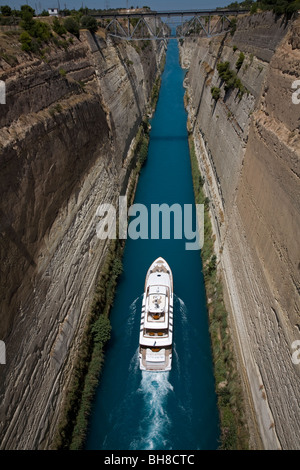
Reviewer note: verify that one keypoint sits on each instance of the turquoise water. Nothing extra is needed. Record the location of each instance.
(174, 410)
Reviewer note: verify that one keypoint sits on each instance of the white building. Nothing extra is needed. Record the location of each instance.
(53, 11)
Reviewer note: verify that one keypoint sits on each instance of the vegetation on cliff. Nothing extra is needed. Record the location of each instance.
(279, 7)
(215, 92)
(234, 433)
(230, 78)
(36, 33)
(72, 428)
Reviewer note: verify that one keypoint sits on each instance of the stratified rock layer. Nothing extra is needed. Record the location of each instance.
(248, 150)
(65, 133)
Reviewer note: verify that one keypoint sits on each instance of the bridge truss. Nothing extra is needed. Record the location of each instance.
(160, 25)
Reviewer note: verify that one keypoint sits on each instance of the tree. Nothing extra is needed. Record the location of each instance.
(89, 23)
(27, 22)
(58, 28)
(253, 8)
(6, 10)
(71, 26)
(35, 32)
(25, 39)
(25, 9)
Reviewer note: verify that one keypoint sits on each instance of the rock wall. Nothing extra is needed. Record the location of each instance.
(65, 133)
(248, 151)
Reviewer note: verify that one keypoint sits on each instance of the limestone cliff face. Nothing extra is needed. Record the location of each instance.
(248, 150)
(64, 137)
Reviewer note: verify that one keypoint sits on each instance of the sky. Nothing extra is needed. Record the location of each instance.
(39, 5)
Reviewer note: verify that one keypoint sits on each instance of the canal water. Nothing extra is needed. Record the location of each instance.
(176, 410)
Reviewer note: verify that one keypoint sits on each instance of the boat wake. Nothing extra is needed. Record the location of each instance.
(153, 390)
(153, 429)
(134, 363)
(132, 315)
(182, 309)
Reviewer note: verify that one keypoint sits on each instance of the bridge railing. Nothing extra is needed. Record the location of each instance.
(164, 13)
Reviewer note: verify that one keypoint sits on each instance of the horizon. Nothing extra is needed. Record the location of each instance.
(40, 5)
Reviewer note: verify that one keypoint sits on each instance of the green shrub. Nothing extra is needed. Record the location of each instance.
(134, 22)
(55, 109)
(72, 26)
(26, 9)
(253, 9)
(279, 7)
(215, 91)
(155, 92)
(27, 22)
(117, 267)
(212, 265)
(44, 13)
(89, 23)
(101, 330)
(58, 28)
(143, 152)
(41, 31)
(25, 39)
(35, 32)
(230, 78)
(224, 71)
(6, 10)
(240, 61)
(233, 26)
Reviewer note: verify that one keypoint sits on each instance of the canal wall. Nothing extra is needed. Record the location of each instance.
(66, 137)
(248, 148)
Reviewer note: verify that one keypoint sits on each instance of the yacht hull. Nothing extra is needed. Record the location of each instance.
(156, 329)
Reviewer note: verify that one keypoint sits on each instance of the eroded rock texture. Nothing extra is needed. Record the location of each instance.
(248, 150)
(64, 137)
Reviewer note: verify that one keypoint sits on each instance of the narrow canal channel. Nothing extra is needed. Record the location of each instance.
(177, 409)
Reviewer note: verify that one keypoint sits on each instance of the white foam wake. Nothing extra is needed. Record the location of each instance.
(153, 431)
(132, 315)
(182, 310)
(134, 363)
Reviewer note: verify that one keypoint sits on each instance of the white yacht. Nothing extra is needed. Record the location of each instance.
(156, 331)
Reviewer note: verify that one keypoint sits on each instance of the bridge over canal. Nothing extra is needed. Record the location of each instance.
(168, 24)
